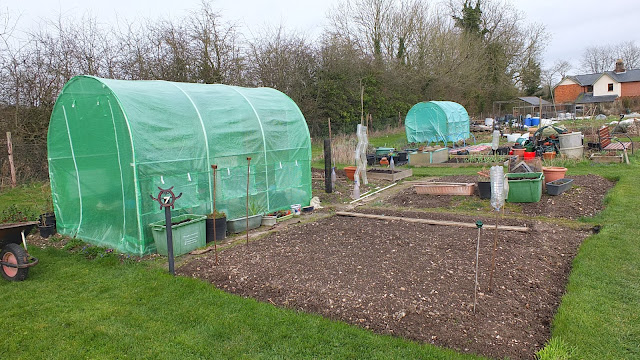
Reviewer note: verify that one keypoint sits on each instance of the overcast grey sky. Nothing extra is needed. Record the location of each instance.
(572, 24)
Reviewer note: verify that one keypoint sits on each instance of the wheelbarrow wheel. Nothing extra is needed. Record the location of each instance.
(14, 254)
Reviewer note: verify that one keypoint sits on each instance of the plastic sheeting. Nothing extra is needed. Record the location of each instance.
(436, 121)
(112, 143)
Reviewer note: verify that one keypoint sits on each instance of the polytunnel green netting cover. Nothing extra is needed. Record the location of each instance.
(112, 143)
(436, 121)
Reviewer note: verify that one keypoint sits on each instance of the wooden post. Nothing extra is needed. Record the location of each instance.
(333, 162)
(540, 104)
(361, 103)
(328, 188)
(11, 165)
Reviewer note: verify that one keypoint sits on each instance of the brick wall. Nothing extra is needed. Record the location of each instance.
(567, 93)
(631, 88)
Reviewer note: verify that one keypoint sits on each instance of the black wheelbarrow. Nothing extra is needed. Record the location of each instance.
(14, 260)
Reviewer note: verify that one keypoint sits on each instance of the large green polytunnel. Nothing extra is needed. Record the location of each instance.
(112, 143)
(437, 121)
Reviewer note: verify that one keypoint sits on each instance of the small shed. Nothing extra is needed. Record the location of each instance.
(112, 143)
(434, 121)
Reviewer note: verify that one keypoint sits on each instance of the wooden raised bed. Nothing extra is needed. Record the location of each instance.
(386, 174)
(606, 159)
(445, 188)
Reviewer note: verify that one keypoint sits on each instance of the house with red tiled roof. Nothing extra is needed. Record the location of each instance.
(598, 88)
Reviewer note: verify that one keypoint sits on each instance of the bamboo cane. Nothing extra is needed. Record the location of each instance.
(214, 168)
(248, 172)
(493, 257)
(475, 285)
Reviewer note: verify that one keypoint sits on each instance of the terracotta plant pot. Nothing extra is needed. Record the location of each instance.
(519, 152)
(553, 173)
(351, 171)
(549, 155)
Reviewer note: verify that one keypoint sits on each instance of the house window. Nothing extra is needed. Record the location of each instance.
(610, 87)
(590, 88)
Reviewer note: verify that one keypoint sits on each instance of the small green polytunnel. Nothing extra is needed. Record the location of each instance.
(437, 121)
(112, 143)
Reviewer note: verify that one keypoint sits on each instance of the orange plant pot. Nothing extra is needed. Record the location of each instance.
(549, 155)
(518, 152)
(553, 173)
(351, 171)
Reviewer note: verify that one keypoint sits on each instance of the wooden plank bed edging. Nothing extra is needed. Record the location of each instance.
(431, 222)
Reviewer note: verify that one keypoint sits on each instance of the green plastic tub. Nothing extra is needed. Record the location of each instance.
(187, 235)
(525, 187)
(383, 151)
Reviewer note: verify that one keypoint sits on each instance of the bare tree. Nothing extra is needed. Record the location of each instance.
(215, 45)
(554, 74)
(600, 58)
(596, 59)
(364, 22)
(285, 61)
(629, 52)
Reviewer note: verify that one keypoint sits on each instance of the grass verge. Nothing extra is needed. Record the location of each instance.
(71, 307)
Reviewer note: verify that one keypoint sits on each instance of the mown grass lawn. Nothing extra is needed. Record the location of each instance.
(71, 307)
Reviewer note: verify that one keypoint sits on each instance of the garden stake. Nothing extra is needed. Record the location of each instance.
(215, 246)
(167, 198)
(248, 172)
(493, 257)
(475, 286)
(328, 184)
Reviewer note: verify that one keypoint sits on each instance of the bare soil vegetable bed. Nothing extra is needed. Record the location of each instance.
(406, 279)
(343, 187)
(585, 198)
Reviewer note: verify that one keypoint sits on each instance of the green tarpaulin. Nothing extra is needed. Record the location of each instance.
(112, 143)
(437, 121)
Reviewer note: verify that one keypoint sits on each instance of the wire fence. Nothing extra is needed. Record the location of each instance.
(29, 159)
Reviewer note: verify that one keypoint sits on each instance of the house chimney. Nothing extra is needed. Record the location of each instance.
(619, 66)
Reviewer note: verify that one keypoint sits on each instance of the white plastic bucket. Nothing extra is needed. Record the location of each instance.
(488, 121)
(571, 145)
(295, 209)
(512, 137)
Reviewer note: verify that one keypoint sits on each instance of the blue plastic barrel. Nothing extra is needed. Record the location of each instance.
(535, 121)
(527, 122)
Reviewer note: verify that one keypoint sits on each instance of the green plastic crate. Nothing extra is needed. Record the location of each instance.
(526, 190)
(187, 236)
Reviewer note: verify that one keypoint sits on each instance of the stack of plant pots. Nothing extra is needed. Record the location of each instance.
(47, 224)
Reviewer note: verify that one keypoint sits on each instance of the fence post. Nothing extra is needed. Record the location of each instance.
(11, 166)
(328, 187)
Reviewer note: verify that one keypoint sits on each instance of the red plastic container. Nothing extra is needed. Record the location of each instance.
(529, 155)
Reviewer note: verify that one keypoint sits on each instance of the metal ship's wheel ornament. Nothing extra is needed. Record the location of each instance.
(166, 197)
